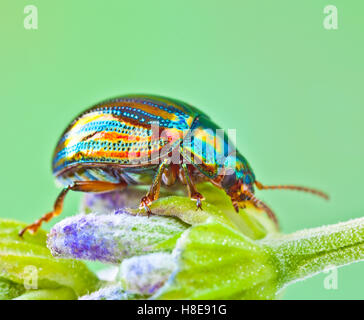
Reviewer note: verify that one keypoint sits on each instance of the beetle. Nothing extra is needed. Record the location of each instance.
(150, 140)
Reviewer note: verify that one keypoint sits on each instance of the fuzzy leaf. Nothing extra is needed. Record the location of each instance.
(10, 290)
(216, 261)
(28, 262)
(49, 294)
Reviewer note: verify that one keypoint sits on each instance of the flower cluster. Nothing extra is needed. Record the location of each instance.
(176, 253)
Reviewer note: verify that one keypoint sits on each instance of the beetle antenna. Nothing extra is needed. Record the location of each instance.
(290, 187)
(260, 204)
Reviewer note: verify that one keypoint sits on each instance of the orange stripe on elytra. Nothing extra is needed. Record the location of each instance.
(112, 136)
(120, 154)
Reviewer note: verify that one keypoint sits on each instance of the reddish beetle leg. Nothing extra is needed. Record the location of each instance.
(83, 186)
(191, 188)
(154, 190)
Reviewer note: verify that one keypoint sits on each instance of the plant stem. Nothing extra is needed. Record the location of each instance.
(305, 253)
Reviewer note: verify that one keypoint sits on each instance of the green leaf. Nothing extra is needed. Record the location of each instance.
(10, 290)
(251, 221)
(9, 230)
(49, 294)
(28, 262)
(215, 261)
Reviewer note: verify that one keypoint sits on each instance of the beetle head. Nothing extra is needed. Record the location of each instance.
(238, 179)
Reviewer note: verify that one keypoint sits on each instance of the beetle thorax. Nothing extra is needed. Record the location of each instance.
(237, 177)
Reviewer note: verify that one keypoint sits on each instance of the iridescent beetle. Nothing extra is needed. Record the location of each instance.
(113, 144)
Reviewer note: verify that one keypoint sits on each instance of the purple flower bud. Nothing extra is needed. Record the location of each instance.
(113, 292)
(146, 274)
(110, 238)
(103, 203)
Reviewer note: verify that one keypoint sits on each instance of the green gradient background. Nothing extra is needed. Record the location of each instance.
(293, 90)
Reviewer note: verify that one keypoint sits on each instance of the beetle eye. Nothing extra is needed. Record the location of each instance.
(229, 180)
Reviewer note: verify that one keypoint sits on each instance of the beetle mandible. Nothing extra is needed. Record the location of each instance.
(113, 144)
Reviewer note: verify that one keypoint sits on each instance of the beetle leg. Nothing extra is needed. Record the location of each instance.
(153, 192)
(191, 188)
(260, 204)
(83, 186)
(58, 205)
(170, 174)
